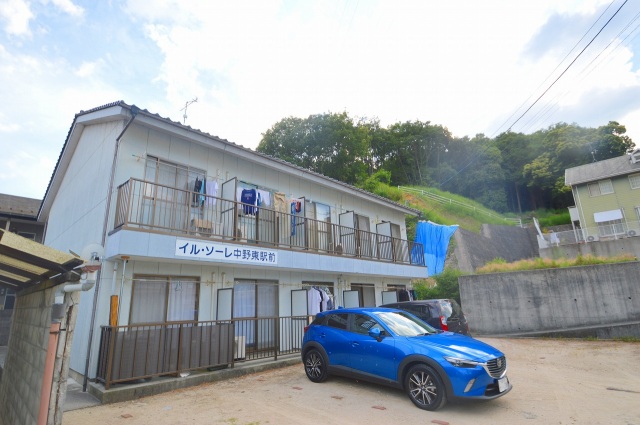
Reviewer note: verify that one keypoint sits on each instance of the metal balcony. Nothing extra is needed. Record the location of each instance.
(153, 207)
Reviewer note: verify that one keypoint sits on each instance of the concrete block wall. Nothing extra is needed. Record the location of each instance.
(5, 326)
(599, 300)
(20, 387)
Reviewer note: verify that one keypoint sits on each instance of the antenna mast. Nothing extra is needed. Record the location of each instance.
(186, 105)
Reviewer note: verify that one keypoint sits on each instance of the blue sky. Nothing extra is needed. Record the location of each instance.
(472, 66)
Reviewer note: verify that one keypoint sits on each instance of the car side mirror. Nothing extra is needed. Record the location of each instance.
(375, 333)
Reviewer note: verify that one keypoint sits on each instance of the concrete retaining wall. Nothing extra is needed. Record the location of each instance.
(601, 248)
(601, 301)
(510, 243)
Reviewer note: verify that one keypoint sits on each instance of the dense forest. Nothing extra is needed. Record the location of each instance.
(513, 172)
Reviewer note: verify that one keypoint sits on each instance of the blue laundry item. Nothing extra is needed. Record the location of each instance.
(248, 198)
(435, 240)
(293, 218)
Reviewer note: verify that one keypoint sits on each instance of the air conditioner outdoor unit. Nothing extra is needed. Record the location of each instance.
(592, 238)
(239, 348)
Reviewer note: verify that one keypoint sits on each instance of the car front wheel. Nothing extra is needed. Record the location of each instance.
(425, 388)
(314, 366)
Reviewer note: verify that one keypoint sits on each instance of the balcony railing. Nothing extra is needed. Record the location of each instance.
(604, 232)
(129, 353)
(156, 207)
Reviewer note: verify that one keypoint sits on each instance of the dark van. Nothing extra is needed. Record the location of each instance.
(441, 314)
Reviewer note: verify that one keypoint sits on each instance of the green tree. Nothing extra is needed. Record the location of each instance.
(329, 144)
(411, 151)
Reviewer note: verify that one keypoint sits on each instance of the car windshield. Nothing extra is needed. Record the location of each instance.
(403, 324)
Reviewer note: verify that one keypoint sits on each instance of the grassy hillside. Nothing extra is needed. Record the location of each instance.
(448, 208)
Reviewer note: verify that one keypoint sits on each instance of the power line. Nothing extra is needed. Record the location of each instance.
(569, 66)
(556, 68)
(483, 150)
(552, 105)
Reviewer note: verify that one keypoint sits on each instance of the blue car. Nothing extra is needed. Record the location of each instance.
(395, 348)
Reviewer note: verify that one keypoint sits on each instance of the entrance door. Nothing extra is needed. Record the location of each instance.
(385, 247)
(364, 240)
(298, 224)
(228, 209)
(347, 222)
(256, 300)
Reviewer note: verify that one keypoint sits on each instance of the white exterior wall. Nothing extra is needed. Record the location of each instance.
(77, 216)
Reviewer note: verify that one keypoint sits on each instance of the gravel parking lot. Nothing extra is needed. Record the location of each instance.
(555, 382)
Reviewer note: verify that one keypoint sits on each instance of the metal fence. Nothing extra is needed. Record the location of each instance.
(604, 232)
(146, 205)
(130, 353)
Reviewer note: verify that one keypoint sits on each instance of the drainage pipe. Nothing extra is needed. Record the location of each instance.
(134, 113)
(47, 379)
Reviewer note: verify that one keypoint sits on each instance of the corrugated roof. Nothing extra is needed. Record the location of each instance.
(25, 263)
(135, 110)
(608, 168)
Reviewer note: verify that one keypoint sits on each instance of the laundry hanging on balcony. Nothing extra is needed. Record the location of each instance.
(435, 241)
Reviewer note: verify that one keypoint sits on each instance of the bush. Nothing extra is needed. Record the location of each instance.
(444, 285)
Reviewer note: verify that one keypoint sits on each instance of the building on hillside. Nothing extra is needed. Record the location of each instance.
(607, 198)
(18, 215)
(199, 230)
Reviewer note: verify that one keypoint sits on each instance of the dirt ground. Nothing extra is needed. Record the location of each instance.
(555, 382)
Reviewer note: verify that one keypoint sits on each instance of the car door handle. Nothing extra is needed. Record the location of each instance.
(355, 344)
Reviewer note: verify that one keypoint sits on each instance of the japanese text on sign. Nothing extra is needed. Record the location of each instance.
(225, 252)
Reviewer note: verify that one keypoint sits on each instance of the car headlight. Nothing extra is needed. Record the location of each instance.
(458, 362)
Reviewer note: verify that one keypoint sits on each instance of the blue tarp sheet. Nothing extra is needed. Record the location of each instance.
(435, 240)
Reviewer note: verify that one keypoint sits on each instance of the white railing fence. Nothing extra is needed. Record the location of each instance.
(606, 232)
(443, 200)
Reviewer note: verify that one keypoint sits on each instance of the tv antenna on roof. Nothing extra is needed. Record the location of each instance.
(186, 105)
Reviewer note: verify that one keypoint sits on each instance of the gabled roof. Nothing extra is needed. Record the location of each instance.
(121, 110)
(614, 167)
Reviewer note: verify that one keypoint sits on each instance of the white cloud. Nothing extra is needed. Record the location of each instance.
(465, 64)
(68, 7)
(88, 69)
(16, 15)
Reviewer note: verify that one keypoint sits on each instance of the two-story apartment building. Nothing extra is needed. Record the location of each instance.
(607, 198)
(197, 229)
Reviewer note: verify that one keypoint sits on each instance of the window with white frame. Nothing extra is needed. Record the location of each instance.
(159, 299)
(168, 176)
(602, 187)
(611, 228)
(634, 181)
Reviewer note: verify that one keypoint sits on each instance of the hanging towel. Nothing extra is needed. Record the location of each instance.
(212, 192)
(265, 197)
(279, 202)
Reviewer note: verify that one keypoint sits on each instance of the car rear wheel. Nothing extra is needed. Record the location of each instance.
(314, 366)
(425, 388)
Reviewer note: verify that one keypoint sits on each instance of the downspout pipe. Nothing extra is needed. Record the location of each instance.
(96, 293)
(57, 313)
